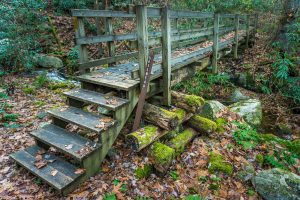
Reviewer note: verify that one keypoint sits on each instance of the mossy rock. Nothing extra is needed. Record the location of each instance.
(278, 184)
(211, 109)
(259, 158)
(218, 164)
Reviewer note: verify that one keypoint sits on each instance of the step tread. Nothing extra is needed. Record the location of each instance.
(81, 118)
(109, 102)
(70, 143)
(65, 171)
(112, 80)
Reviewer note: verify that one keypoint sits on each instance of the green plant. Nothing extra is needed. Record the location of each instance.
(110, 196)
(3, 95)
(246, 136)
(143, 172)
(10, 117)
(41, 80)
(194, 197)
(174, 175)
(21, 25)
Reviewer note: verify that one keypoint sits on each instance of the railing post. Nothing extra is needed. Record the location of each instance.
(109, 31)
(255, 23)
(216, 43)
(247, 30)
(142, 34)
(80, 32)
(166, 54)
(236, 35)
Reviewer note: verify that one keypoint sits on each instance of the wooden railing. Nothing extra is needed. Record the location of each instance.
(162, 41)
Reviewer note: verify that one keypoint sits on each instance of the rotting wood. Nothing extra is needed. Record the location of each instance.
(191, 103)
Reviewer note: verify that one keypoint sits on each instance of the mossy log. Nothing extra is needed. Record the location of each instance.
(179, 142)
(190, 103)
(161, 156)
(201, 124)
(163, 118)
(143, 137)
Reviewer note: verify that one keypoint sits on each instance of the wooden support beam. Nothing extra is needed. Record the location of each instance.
(247, 30)
(166, 55)
(255, 24)
(142, 34)
(216, 43)
(80, 32)
(109, 31)
(236, 35)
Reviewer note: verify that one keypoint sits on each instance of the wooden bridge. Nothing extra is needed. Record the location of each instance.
(179, 53)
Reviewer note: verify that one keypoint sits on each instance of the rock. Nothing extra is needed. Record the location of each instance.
(237, 96)
(211, 109)
(250, 110)
(46, 61)
(245, 80)
(247, 173)
(277, 184)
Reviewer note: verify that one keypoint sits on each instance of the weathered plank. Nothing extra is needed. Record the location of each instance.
(247, 30)
(216, 43)
(64, 177)
(87, 96)
(81, 118)
(100, 13)
(60, 139)
(166, 55)
(236, 35)
(190, 14)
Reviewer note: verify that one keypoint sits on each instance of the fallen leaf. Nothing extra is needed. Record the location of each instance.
(40, 164)
(69, 146)
(54, 172)
(79, 171)
(106, 119)
(38, 157)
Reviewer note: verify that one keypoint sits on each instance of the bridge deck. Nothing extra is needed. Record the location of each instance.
(120, 76)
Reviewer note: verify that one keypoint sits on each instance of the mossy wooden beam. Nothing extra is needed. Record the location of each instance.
(163, 118)
(190, 103)
(143, 137)
(161, 156)
(203, 125)
(179, 142)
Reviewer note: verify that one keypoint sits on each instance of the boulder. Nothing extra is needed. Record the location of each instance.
(247, 173)
(46, 61)
(211, 109)
(237, 96)
(250, 110)
(277, 184)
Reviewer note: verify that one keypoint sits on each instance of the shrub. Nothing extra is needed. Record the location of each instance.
(21, 25)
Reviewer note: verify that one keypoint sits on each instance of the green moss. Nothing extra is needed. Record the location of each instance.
(10, 117)
(143, 172)
(162, 153)
(54, 85)
(39, 103)
(179, 142)
(180, 113)
(29, 90)
(193, 100)
(169, 113)
(259, 159)
(221, 122)
(144, 137)
(218, 164)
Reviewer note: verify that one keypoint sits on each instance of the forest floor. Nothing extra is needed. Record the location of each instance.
(187, 176)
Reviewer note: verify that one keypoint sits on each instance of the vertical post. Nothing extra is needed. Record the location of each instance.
(236, 35)
(176, 24)
(255, 23)
(166, 55)
(109, 31)
(142, 34)
(216, 43)
(247, 30)
(99, 30)
(80, 32)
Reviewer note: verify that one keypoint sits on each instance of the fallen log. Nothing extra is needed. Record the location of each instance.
(201, 124)
(179, 142)
(190, 103)
(161, 156)
(143, 137)
(163, 118)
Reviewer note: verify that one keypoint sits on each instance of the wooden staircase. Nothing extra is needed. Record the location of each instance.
(114, 95)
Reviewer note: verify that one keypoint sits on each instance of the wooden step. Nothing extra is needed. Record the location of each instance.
(84, 119)
(70, 143)
(106, 101)
(111, 80)
(65, 172)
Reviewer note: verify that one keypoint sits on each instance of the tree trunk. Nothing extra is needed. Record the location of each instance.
(190, 103)
(179, 142)
(143, 137)
(163, 118)
(203, 125)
